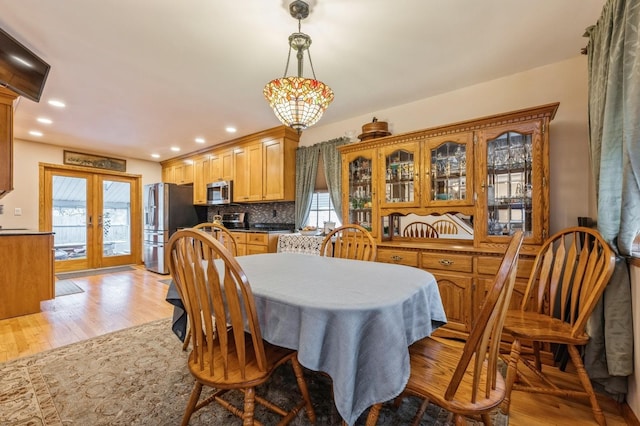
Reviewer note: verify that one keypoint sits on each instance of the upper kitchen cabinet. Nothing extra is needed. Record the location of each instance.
(262, 167)
(7, 99)
(221, 165)
(265, 169)
(448, 174)
(201, 176)
(180, 172)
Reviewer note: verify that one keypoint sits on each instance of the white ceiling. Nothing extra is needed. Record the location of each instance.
(140, 76)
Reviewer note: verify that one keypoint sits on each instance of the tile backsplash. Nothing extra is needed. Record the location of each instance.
(258, 212)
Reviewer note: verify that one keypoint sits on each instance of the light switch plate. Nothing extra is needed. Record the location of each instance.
(17, 211)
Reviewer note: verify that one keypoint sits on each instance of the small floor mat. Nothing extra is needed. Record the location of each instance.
(90, 272)
(66, 287)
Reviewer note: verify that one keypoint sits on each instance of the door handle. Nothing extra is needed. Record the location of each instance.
(90, 221)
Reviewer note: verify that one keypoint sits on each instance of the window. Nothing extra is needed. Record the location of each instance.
(321, 211)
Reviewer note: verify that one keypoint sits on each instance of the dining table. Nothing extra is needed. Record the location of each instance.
(353, 320)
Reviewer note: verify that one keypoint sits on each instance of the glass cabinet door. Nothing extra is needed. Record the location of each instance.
(513, 186)
(401, 175)
(360, 191)
(450, 174)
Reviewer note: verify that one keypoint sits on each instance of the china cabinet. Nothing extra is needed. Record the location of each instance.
(490, 175)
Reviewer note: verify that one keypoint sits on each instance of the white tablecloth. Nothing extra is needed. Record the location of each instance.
(351, 319)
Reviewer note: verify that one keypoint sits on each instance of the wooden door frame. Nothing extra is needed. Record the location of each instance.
(44, 216)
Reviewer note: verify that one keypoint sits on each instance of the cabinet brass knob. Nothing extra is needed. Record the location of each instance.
(446, 262)
(396, 258)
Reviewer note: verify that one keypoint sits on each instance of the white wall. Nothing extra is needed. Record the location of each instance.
(564, 82)
(26, 158)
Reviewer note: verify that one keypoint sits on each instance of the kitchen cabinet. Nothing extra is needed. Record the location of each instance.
(247, 163)
(265, 171)
(201, 176)
(221, 165)
(7, 99)
(180, 173)
(262, 166)
(27, 273)
(492, 171)
(248, 243)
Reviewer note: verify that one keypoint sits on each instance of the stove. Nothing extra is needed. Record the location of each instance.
(235, 220)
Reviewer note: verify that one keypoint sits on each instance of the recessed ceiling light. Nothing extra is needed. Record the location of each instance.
(35, 133)
(200, 140)
(175, 148)
(155, 155)
(44, 120)
(230, 129)
(56, 103)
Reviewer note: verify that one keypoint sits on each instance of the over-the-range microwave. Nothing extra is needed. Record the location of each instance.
(219, 192)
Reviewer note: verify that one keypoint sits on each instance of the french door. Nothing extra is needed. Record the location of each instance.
(95, 217)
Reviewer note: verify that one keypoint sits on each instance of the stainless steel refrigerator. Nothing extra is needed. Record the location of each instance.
(167, 207)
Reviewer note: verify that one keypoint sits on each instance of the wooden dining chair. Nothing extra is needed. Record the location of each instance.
(464, 379)
(228, 350)
(419, 230)
(445, 227)
(568, 277)
(222, 234)
(349, 242)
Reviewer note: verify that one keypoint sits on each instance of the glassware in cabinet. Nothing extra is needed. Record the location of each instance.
(449, 174)
(513, 188)
(360, 191)
(401, 175)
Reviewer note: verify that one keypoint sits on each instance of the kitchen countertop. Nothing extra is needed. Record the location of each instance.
(22, 231)
(262, 230)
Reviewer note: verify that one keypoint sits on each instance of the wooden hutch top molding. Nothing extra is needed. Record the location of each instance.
(548, 110)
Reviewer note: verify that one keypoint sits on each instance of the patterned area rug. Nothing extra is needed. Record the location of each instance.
(90, 272)
(139, 376)
(66, 287)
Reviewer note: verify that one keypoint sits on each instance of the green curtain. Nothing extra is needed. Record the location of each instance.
(614, 126)
(333, 171)
(306, 169)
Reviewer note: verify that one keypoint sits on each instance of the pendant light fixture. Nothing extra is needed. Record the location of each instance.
(298, 102)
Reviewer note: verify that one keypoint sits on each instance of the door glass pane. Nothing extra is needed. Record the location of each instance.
(509, 184)
(360, 207)
(70, 217)
(399, 186)
(116, 218)
(449, 171)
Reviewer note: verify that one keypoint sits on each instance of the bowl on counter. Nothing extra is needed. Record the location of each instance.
(309, 233)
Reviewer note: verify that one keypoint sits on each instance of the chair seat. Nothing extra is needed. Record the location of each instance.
(275, 355)
(433, 361)
(534, 326)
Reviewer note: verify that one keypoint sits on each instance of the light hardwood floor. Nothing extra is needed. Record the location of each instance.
(119, 300)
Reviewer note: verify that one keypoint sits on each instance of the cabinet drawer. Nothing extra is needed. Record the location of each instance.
(447, 262)
(241, 237)
(256, 249)
(260, 239)
(401, 257)
(489, 265)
